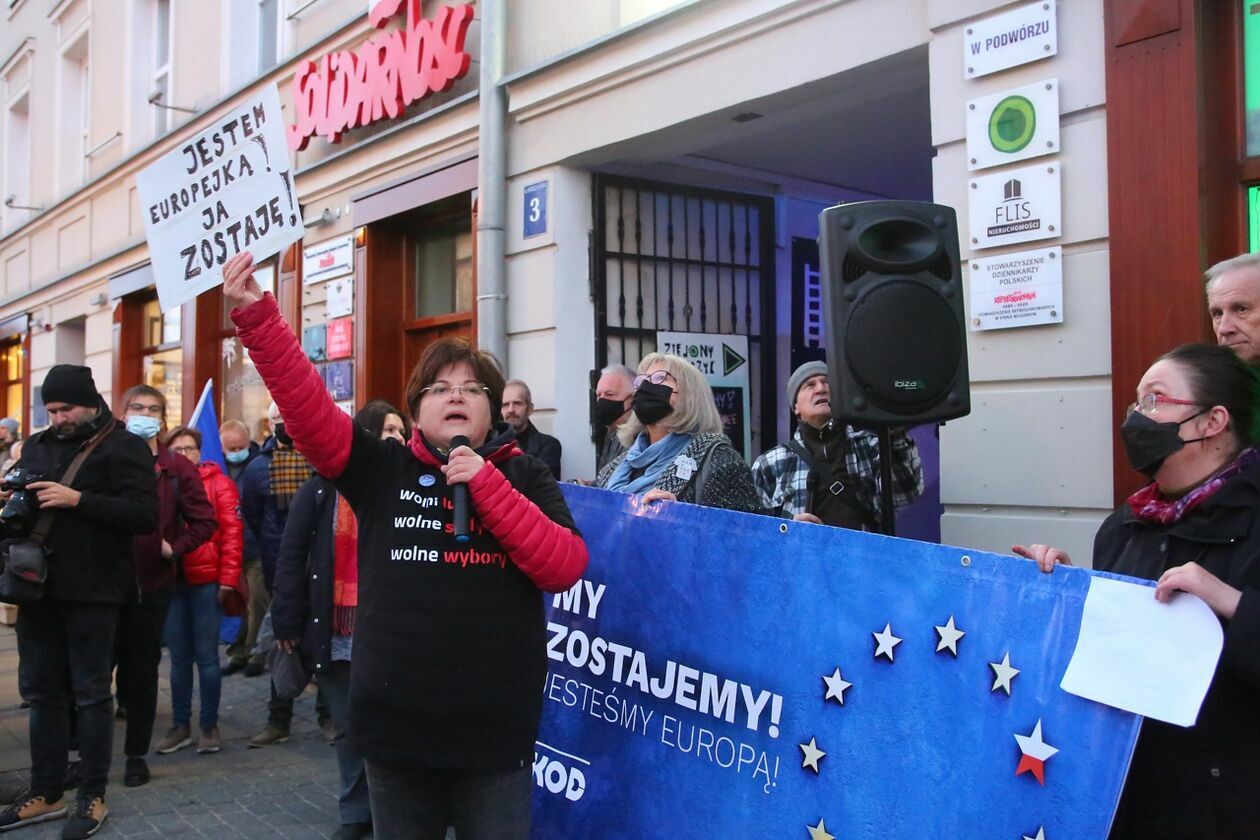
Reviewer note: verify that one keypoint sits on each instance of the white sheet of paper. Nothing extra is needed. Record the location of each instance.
(1137, 654)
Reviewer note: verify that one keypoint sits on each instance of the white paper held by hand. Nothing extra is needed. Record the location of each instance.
(1137, 654)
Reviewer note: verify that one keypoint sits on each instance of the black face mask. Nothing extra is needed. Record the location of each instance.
(607, 411)
(1148, 443)
(651, 403)
(281, 435)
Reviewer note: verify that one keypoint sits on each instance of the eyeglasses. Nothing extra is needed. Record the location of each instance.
(468, 389)
(185, 450)
(141, 408)
(1148, 406)
(656, 378)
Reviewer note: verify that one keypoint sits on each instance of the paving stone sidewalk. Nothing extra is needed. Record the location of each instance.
(288, 790)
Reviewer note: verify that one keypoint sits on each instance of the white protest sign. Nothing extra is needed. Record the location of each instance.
(1022, 35)
(1018, 205)
(1017, 290)
(226, 190)
(1014, 125)
(723, 359)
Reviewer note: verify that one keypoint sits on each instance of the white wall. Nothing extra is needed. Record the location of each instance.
(1032, 463)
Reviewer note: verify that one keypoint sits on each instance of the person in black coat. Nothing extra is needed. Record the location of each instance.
(70, 630)
(306, 615)
(1195, 528)
(518, 405)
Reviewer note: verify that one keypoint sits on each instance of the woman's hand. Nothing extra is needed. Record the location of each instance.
(1046, 557)
(807, 517)
(461, 465)
(288, 645)
(658, 495)
(239, 286)
(1193, 578)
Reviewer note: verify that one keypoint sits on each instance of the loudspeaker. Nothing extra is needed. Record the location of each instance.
(893, 311)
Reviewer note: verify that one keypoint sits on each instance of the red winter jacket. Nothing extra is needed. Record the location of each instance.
(218, 560)
(550, 555)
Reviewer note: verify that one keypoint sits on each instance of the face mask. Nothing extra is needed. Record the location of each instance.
(146, 427)
(1148, 443)
(238, 457)
(607, 411)
(651, 403)
(281, 435)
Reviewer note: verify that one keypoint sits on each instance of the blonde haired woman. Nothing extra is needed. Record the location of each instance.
(675, 448)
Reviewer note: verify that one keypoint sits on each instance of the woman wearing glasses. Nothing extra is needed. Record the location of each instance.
(210, 576)
(449, 635)
(1194, 528)
(675, 448)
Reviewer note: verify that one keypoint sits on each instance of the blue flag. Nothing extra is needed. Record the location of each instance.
(205, 419)
(718, 674)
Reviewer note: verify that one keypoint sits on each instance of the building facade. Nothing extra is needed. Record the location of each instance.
(666, 163)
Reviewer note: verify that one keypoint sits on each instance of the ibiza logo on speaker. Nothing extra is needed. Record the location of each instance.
(909, 384)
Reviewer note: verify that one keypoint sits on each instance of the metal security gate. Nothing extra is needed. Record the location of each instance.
(685, 259)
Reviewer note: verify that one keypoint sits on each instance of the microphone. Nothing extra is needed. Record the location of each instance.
(459, 516)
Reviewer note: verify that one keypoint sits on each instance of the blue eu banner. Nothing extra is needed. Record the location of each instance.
(718, 674)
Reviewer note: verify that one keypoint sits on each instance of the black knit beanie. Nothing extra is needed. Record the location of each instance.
(70, 384)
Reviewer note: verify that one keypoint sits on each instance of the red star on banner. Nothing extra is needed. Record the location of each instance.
(1036, 752)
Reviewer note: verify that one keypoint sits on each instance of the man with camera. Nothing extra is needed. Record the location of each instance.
(96, 489)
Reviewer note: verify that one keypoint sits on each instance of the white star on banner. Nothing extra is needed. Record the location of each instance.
(1041, 834)
(819, 832)
(949, 637)
(885, 642)
(1004, 673)
(835, 687)
(812, 754)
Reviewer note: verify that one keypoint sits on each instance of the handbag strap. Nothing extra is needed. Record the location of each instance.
(836, 486)
(40, 532)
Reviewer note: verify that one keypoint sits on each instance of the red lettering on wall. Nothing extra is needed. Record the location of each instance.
(388, 73)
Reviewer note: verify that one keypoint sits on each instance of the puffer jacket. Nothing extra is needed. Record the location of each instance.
(218, 560)
(438, 685)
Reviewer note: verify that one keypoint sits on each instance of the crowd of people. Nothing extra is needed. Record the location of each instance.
(336, 540)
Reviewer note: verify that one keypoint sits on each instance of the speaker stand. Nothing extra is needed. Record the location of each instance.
(888, 517)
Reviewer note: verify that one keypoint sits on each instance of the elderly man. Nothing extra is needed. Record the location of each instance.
(614, 393)
(518, 405)
(1233, 295)
(828, 473)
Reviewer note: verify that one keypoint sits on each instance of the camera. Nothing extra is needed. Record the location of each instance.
(22, 506)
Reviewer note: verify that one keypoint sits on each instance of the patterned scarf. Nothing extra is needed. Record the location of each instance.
(652, 458)
(289, 471)
(345, 567)
(1150, 505)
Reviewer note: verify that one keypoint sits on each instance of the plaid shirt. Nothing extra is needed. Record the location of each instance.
(782, 476)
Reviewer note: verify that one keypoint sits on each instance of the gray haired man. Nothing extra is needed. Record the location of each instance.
(1233, 296)
(614, 393)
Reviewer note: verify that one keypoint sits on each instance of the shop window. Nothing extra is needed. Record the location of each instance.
(242, 394)
(162, 355)
(12, 382)
(442, 270)
(1251, 75)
